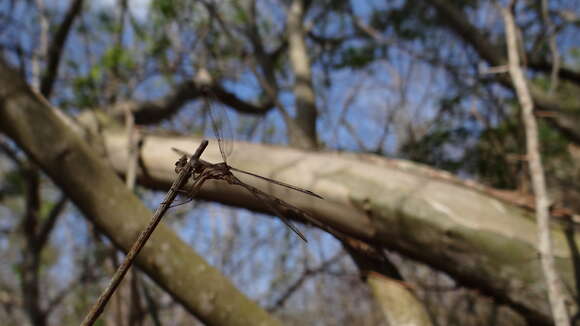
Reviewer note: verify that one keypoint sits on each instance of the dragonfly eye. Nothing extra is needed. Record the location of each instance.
(180, 164)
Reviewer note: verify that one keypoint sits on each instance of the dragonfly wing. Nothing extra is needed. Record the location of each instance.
(280, 183)
(221, 126)
(272, 203)
(285, 220)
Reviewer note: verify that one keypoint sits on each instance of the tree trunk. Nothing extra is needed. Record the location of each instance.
(103, 198)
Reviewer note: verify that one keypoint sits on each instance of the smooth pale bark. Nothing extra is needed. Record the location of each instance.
(398, 303)
(424, 214)
(103, 198)
(396, 300)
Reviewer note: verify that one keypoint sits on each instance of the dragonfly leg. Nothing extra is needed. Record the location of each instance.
(272, 204)
(194, 189)
(181, 203)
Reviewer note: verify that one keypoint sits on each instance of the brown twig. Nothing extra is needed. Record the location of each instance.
(306, 275)
(181, 180)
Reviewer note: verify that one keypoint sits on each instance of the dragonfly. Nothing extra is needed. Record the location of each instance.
(204, 171)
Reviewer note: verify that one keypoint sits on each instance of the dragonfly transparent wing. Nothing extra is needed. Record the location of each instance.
(275, 205)
(220, 124)
(280, 183)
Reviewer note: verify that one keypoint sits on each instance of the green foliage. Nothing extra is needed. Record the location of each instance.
(496, 157)
(413, 20)
(169, 9)
(157, 48)
(49, 257)
(12, 184)
(106, 19)
(85, 88)
(240, 16)
(45, 208)
(436, 148)
(356, 57)
(554, 145)
(575, 56)
(173, 11)
(118, 58)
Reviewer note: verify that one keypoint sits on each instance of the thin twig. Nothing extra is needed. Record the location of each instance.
(554, 286)
(309, 272)
(54, 54)
(50, 220)
(181, 180)
(553, 47)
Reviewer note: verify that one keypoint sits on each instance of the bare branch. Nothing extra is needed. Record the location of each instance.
(560, 119)
(489, 51)
(307, 274)
(555, 293)
(304, 136)
(56, 47)
(150, 112)
(51, 219)
(179, 182)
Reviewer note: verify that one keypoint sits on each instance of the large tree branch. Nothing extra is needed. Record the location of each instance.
(459, 228)
(103, 198)
(399, 304)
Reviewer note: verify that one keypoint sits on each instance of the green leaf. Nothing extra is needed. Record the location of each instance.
(356, 57)
(169, 9)
(117, 57)
(159, 47)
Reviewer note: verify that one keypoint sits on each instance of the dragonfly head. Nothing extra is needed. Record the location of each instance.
(180, 164)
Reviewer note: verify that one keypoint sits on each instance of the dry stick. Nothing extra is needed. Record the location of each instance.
(555, 293)
(181, 180)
